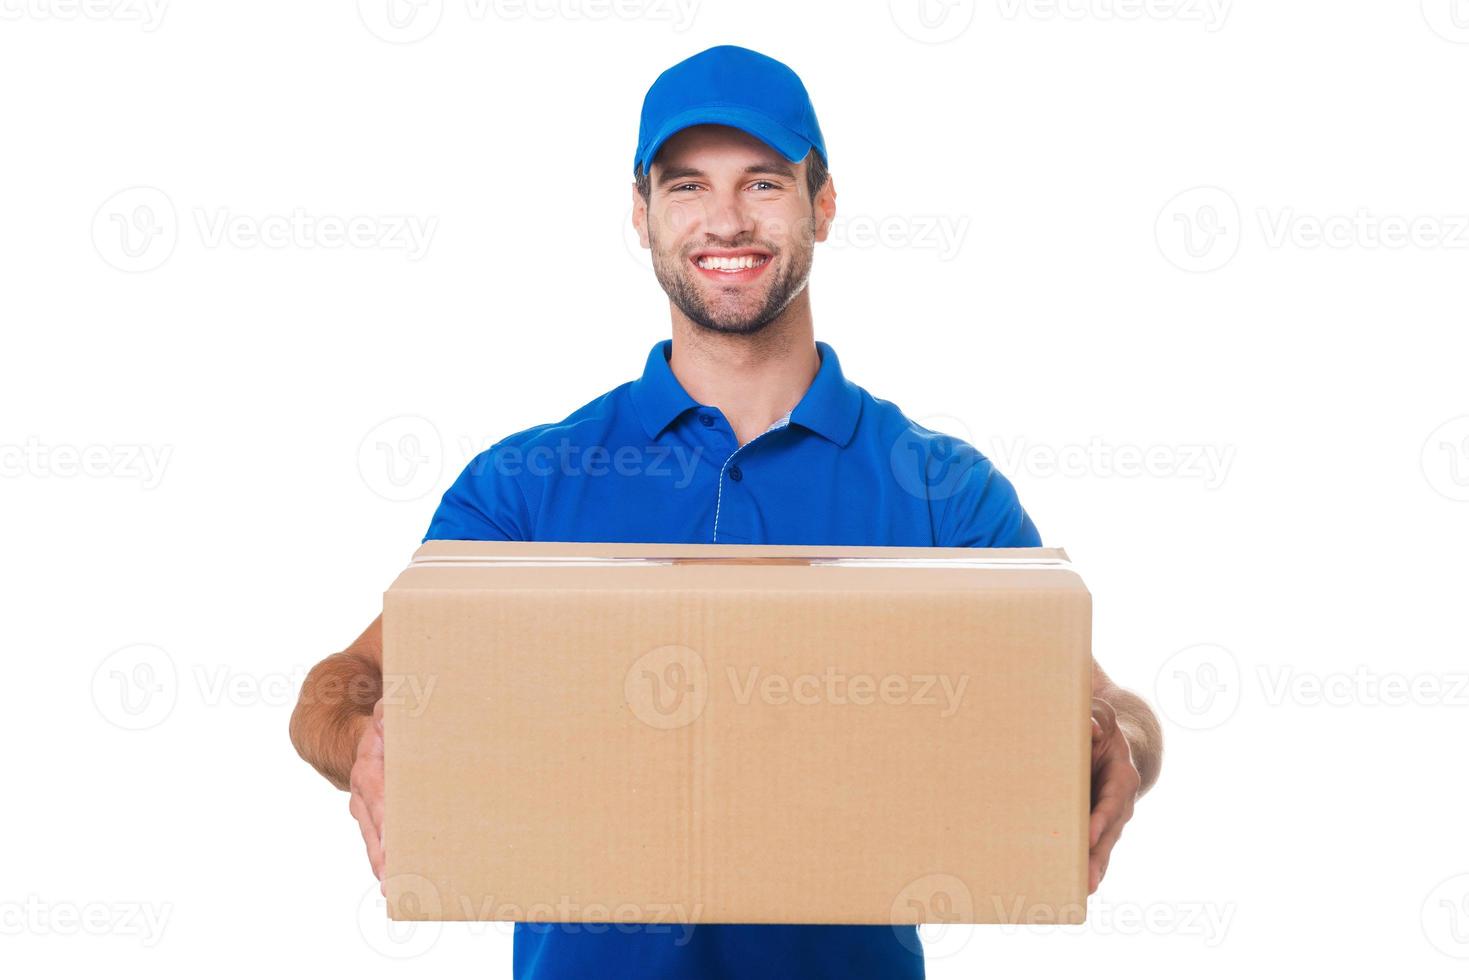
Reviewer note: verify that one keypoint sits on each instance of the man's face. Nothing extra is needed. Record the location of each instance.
(730, 227)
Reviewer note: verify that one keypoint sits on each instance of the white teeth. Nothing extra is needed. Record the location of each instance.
(731, 265)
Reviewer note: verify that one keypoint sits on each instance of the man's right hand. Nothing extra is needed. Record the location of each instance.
(366, 786)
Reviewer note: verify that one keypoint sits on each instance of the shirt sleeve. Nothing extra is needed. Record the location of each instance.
(983, 510)
(485, 503)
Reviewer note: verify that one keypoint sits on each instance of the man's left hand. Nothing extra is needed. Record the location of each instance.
(1115, 784)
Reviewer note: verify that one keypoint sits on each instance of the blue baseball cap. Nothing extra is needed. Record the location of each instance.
(731, 86)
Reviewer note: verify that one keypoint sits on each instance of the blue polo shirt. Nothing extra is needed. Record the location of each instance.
(646, 462)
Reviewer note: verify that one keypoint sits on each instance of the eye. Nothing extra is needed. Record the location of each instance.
(767, 184)
(680, 187)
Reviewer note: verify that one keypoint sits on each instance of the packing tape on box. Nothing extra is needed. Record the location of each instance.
(603, 561)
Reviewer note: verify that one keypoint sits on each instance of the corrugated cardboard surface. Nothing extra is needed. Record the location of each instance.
(737, 733)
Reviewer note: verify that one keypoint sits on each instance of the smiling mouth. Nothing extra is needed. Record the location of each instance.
(731, 267)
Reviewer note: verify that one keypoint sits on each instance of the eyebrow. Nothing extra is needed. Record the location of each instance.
(771, 167)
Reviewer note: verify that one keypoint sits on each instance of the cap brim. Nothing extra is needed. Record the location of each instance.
(784, 141)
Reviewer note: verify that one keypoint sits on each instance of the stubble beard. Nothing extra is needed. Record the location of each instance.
(676, 275)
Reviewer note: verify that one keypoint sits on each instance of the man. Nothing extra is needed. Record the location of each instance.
(743, 429)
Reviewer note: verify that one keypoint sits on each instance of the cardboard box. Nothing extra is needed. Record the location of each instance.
(737, 734)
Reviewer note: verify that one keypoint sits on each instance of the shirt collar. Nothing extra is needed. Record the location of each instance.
(829, 408)
(657, 395)
(831, 405)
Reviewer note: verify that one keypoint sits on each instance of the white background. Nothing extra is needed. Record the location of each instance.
(193, 429)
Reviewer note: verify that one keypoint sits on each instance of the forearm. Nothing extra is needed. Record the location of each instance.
(335, 705)
(1144, 735)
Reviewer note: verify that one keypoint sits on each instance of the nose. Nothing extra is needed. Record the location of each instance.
(725, 218)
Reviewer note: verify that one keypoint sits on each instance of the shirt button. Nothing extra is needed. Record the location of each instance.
(735, 474)
(708, 420)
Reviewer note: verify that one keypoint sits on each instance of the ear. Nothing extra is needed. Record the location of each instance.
(824, 208)
(640, 216)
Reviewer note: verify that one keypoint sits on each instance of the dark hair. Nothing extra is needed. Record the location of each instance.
(816, 174)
